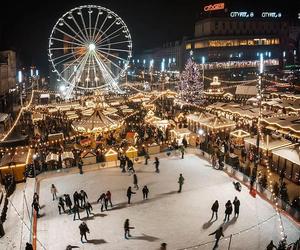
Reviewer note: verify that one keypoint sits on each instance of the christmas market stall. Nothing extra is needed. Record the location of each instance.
(238, 136)
(179, 134)
(52, 160)
(14, 163)
(88, 157)
(131, 152)
(153, 148)
(217, 124)
(111, 155)
(67, 159)
(286, 161)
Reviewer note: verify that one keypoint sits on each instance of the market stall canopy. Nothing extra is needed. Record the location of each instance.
(96, 123)
(268, 142)
(216, 123)
(67, 155)
(16, 157)
(52, 157)
(240, 133)
(196, 117)
(290, 153)
(288, 123)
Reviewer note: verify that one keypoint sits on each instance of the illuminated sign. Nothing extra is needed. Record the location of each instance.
(241, 14)
(298, 15)
(271, 14)
(215, 6)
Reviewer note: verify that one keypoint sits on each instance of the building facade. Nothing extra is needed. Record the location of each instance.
(7, 71)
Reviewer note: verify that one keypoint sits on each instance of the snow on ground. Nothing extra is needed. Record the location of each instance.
(179, 219)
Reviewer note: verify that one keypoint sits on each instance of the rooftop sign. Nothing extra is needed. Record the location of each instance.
(215, 6)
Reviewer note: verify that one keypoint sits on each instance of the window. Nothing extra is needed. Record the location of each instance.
(188, 46)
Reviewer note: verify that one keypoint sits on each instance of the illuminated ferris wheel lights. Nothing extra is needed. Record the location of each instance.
(89, 48)
(92, 47)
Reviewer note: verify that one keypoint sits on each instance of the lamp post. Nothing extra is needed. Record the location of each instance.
(259, 97)
(203, 61)
(20, 80)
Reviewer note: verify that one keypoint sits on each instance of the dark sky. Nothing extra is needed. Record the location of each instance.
(27, 24)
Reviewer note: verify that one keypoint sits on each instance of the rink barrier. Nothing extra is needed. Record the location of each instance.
(265, 194)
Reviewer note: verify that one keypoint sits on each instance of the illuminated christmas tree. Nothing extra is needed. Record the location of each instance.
(191, 83)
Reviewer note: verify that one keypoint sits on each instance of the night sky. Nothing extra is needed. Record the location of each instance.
(27, 25)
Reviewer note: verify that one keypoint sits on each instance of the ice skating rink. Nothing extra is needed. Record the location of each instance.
(182, 220)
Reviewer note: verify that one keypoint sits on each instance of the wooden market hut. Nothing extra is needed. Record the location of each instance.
(179, 133)
(287, 159)
(131, 152)
(88, 157)
(14, 162)
(68, 159)
(111, 155)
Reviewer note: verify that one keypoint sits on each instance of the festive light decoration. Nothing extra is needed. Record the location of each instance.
(191, 84)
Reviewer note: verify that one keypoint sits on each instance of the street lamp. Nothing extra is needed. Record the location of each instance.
(20, 80)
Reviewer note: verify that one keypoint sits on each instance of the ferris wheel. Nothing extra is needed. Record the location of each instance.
(90, 48)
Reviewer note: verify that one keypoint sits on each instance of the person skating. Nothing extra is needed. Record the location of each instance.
(218, 234)
(102, 202)
(76, 211)
(61, 205)
(236, 203)
(147, 157)
(127, 229)
(182, 152)
(163, 246)
(28, 246)
(83, 228)
(54, 191)
(68, 202)
(88, 207)
(76, 198)
(145, 192)
(80, 165)
(228, 210)
(237, 186)
(36, 207)
(135, 182)
(123, 164)
(214, 209)
(180, 181)
(129, 193)
(108, 197)
(35, 197)
(271, 246)
(83, 196)
(156, 163)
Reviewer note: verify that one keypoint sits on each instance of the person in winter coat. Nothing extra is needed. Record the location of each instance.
(147, 157)
(28, 246)
(271, 246)
(36, 207)
(88, 207)
(127, 229)
(182, 152)
(214, 210)
(76, 211)
(68, 202)
(54, 192)
(135, 182)
(83, 228)
(129, 193)
(108, 197)
(102, 201)
(218, 234)
(236, 204)
(35, 197)
(228, 210)
(76, 198)
(156, 163)
(83, 196)
(61, 205)
(180, 181)
(145, 192)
